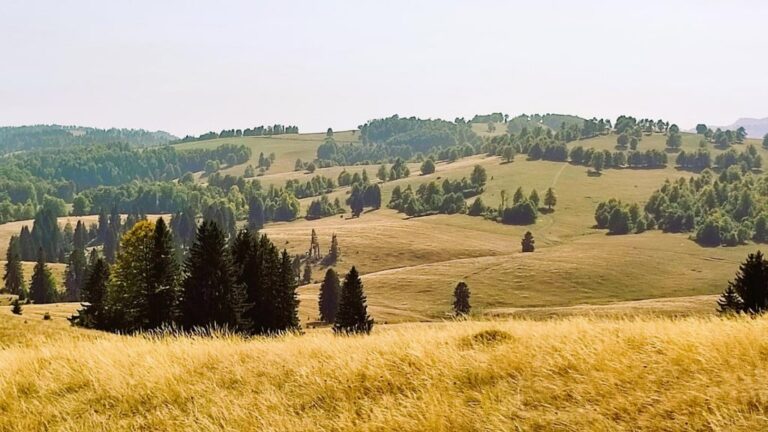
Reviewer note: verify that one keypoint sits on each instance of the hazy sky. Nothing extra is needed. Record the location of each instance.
(192, 66)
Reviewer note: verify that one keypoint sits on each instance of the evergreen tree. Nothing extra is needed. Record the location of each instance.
(461, 296)
(550, 200)
(14, 274)
(528, 242)
(255, 213)
(287, 304)
(534, 198)
(383, 174)
(314, 246)
(729, 301)
(210, 295)
(306, 277)
(751, 283)
(16, 307)
(94, 293)
(328, 298)
(163, 278)
(518, 197)
(352, 315)
(334, 253)
(428, 167)
(74, 276)
(42, 290)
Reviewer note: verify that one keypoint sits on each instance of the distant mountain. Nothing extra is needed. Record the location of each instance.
(13, 139)
(756, 128)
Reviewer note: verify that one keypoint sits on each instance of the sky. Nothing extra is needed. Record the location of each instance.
(187, 66)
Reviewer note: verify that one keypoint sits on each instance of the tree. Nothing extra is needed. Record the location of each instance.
(357, 200)
(14, 274)
(328, 298)
(765, 141)
(750, 285)
(519, 196)
(42, 290)
(461, 296)
(306, 277)
(622, 140)
(508, 153)
(674, 140)
(255, 213)
(382, 174)
(209, 294)
(428, 167)
(528, 243)
(16, 307)
(598, 161)
(701, 128)
(94, 293)
(163, 278)
(311, 167)
(618, 222)
(534, 198)
(479, 177)
(334, 252)
(131, 285)
(550, 199)
(729, 301)
(74, 276)
(352, 315)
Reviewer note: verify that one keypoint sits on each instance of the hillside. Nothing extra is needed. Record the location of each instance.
(21, 138)
(571, 374)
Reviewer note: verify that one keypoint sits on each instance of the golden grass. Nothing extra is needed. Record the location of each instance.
(568, 374)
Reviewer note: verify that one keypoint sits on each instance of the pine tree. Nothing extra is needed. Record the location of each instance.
(287, 304)
(210, 295)
(42, 290)
(314, 246)
(528, 243)
(751, 283)
(729, 301)
(16, 307)
(550, 200)
(328, 298)
(518, 196)
(306, 278)
(534, 198)
(352, 315)
(164, 277)
(94, 293)
(74, 276)
(334, 253)
(14, 274)
(461, 296)
(255, 213)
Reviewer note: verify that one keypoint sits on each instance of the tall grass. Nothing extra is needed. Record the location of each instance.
(567, 374)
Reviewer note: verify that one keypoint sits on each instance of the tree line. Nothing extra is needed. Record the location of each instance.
(276, 129)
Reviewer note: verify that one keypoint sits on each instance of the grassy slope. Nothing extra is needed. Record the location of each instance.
(571, 374)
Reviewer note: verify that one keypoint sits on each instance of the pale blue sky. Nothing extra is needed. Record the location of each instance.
(193, 66)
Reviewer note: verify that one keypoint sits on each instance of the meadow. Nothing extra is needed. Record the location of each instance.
(579, 373)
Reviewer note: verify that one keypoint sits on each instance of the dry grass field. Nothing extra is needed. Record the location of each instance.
(604, 374)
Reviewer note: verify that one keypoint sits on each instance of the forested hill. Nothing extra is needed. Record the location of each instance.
(13, 139)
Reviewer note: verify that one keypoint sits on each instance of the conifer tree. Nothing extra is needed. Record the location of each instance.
(334, 253)
(729, 301)
(42, 290)
(534, 198)
(255, 213)
(518, 196)
(328, 298)
(93, 313)
(74, 276)
(550, 200)
(210, 295)
(461, 296)
(751, 283)
(314, 246)
(14, 274)
(287, 304)
(352, 315)
(306, 277)
(528, 243)
(16, 307)
(164, 277)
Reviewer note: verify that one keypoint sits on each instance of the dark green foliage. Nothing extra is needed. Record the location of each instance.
(14, 275)
(209, 293)
(619, 218)
(74, 276)
(352, 315)
(94, 313)
(461, 296)
(550, 199)
(328, 297)
(323, 207)
(268, 130)
(16, 308)
(13, 139)
(306, 277)
(163, 277)
(528, 243)
(748, 291)
(334, 252)
(42, 290)
(255, 213)
(432, 198)
(477, 208)
(523, 212)
(428, 167)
